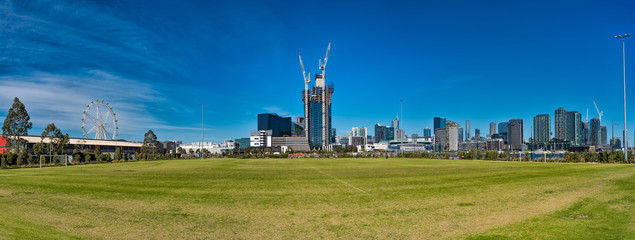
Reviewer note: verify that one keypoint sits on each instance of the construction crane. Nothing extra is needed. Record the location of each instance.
(321, 82)
(307, 80)
(600, 113)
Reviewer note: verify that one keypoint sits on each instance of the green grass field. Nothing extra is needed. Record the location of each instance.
(319, 198)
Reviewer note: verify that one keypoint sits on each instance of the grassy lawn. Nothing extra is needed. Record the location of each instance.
(319, 198)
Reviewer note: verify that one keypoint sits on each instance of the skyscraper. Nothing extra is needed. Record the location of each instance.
(492, 128)
(467, 129)
(573, 123)
(595, 132)
(560, 123)
(427, 132)
(515, 134)
(542, 128)
(354, 132)
(395, 123)
(453, 138)
(363, 132)
(603, 135)
(317, 107)
(439, 122)
(477, 133)
(585, 134)
(503, 127)
(380, 133)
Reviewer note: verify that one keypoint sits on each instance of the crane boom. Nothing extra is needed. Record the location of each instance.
(326, 57)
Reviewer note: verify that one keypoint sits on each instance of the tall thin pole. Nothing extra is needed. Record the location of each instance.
(401, 126)
(624, 74)
(202, 128)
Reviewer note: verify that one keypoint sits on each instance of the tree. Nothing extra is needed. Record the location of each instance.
(22, 157)
(17, 123)
(3, 164)
(149, 142)
(117, 154)
(58, 142)
(97, 155)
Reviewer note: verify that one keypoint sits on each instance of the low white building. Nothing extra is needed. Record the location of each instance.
(260, 138)
(214, 148)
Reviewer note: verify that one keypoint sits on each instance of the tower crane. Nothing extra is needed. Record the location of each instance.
(600, 113)
(307, 80)
(321, 82)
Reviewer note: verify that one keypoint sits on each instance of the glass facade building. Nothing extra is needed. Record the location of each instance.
(279, 126)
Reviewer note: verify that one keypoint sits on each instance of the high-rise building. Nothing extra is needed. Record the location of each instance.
(380, 133)
(515, 134)
(585, 134)
(492, 128)
(453, 138)
(603, 135)
(427, 132)
(395, 123)
(317, 108)
(595, 132)
(439, 122)
(542, 128)
(279, 126)
(441, 139)
(467, 129)
(503, 127)
(573, 131)
(363, 132)
(390, 134)
(355, 132)
(477, 133)
(560, 123)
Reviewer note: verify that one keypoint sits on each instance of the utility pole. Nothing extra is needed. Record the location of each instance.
(623, 37)
(202, 128)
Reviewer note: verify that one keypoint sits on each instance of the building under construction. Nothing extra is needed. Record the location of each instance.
(317, 106)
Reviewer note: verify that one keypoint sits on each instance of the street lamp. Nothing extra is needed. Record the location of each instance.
(202, 128)
(623, 37)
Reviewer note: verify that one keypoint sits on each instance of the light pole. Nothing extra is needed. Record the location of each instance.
(623, 37)
(202, 128)
(404, 131)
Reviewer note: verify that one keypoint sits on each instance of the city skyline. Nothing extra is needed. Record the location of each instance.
(483, 63)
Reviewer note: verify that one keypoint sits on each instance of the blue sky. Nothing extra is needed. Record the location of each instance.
(155, 61)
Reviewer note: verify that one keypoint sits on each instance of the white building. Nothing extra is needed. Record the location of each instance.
(214, 148)
(453, 138)
(261, 138)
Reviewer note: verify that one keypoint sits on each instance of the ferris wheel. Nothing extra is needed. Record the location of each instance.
(99, 119)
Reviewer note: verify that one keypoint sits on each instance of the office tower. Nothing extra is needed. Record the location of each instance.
(363, 132)
(390, 133)
(542, 128)
(515, 134)
(279, 126)
(460, 133)
(427, 132)
(603, 135)
(492, 128)
(395, 123)
(439, 122)
(560, 123)
(317, 107)
(503, 127)
(354, 131)
(595, 132)
(477, 133)
(453, 138)
(441, 139)
(467, 129)
(573, 131)
(380, 131)
(585, 134)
